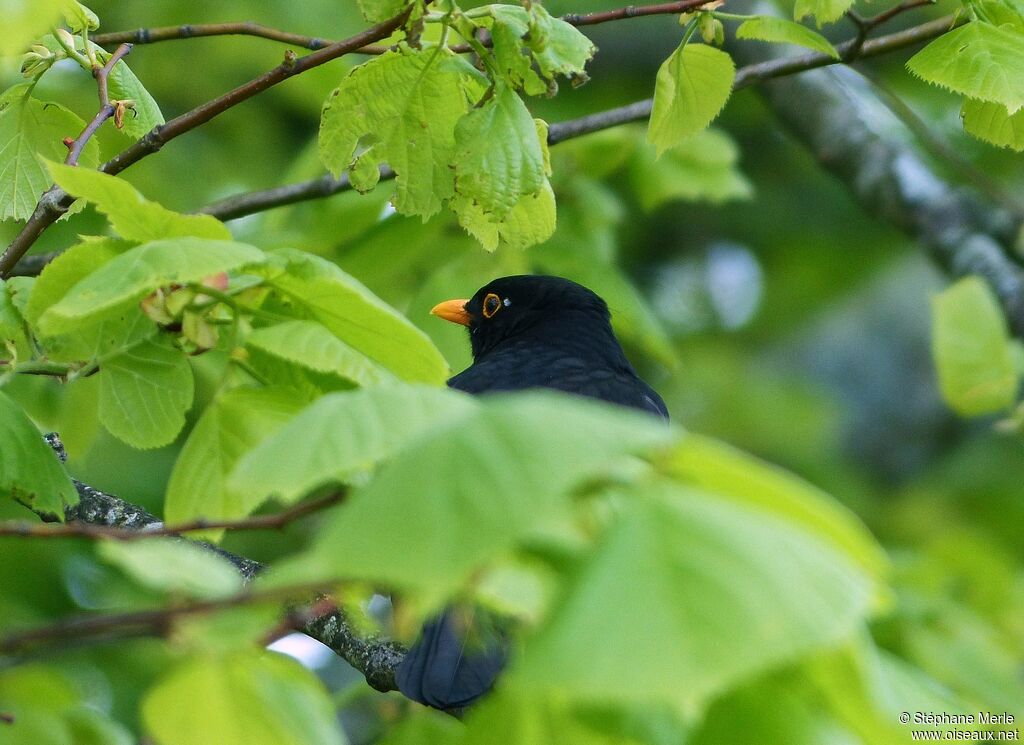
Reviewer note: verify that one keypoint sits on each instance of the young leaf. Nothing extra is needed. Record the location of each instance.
(311, 345)
(824, 11)
(406, 104)
(341, 435)
(558, 47)
(701, 167)
(529, 222)
(174, 566)
(132, 275)
(498, 157)
(971, 347)
(32, 132)
(79, 18)
(358, 317)
(145, 112)
(783, 31)
(231, 426)
(29, 470)
(510, 25)
(131, 215)
(144, 394)
(244, 698)
(692, 87)
(517, 459)
(978, 60)
(725, 592)
(991, 122)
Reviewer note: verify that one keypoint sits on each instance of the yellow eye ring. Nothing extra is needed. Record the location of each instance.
(491, 305)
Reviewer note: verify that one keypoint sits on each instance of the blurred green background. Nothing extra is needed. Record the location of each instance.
(789, 323)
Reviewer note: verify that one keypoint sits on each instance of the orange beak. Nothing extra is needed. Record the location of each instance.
(452, 310)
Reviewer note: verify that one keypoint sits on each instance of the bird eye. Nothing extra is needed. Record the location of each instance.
(492, 304)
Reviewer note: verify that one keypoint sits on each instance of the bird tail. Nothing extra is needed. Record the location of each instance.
(454, 662)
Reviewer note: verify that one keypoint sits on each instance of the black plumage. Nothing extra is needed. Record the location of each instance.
(525, 332)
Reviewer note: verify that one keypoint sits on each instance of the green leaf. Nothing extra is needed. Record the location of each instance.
(376, 11)
(783, 31)
(144, 394)
(406, 104)
(726, 592)
(13, 339)
(701, 167)
(824, 11)
(498, 158)
(692, 87)
(529, 222)
(311, 345)
(978, 60)
(174, 566)
(31, 133)
(79, 17)
(510, 26)
(342, 435)
(718, 468)
(108, 333)
(245, 698)
(24, 22)
(971, 347)
(517, 459)
(146, 112)
(518, 717)
(358, 317)
(231, 426)
(998, 12)
(992, 122)
(29, 470)
(131, 215)
(130, 276)
(559, 48)
(89, 727)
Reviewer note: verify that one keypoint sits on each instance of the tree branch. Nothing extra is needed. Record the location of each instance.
(833, 113)
(156, 621)
(275, 521)
(250, 28)
(55, 202)
(375, 658)
(325, 186)
(242, 28)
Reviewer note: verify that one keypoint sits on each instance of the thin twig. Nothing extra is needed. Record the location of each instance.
(885, 16)
(55, 202)
(325, 186)
(106, 108)
(158, 620)
(250, 28)
(632, 11)
(375, 658)
(275, 521)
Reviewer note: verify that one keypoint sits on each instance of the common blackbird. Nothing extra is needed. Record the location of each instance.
(525, 332)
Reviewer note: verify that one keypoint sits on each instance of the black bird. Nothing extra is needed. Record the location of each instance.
(525, 332)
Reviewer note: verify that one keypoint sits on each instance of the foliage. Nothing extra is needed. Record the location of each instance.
(660, 585)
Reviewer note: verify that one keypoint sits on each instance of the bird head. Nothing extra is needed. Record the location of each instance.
(527, 305)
